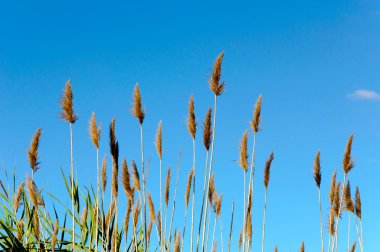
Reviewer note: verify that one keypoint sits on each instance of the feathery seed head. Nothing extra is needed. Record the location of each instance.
(353, 247)
(33, 151)
(302, 249)
(317, 170)
(255, 123)
(332, 188)
(214, 81)
(94, 131)
(151, 208)
(207, 130)
(349, 204)
(104, 173)
(126, 180)
(243, 158)
(158, 141)
(137, 110)
(348, 163)
(358, 204)
(167, 185)
(32, 190)
(188, 186)
(17, 200)
(67, 113)
(136, 176)
(191, 122)
(267, 170)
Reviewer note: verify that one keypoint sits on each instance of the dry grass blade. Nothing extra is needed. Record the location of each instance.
(349, 204)
(125, 180)
(94, 131)
(137, 110)
(149, 230)
(167, 186)
(243, 157)
(353, 247)
(54, 236)
(33, 151)
(218, 204)
(214, 81)
(358, 204)
(191, 122)
(255, 123)
(17, 199)
(332, 188)
(159, 224)
(136, 176)
(67, 113)
(158, 141)
(151, 208)
(348, 163)
(84, 216)
(188, 186)
(207, 130)
(104, 174)
(267, 170)
(317, 170)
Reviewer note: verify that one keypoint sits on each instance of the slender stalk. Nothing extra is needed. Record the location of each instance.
(321, 219)
(231, 225)
(97, 200)
(221, 233)
(143, 186)
(264, 219)
(348, 235)
(174, 199)
(251, 181)
(339, 211)
(213, 232)
(244, 213)
(72, 184)
(203, 201)
(193, 203)
(208, 230)
(160, 240)
(184, 229)
(210, 166)
(361, 234)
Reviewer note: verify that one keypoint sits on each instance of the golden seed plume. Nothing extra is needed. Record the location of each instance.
(136, 176)
(353, 247)
(36, 226)
(136, 212)
(177, 242)
(248, 228)
(255, 123)
(158, 141)
(151, 208)
(84, 216)
(115, 176)
(33, 151)
(211, 189)
(276, 249)
(243, 158)
(336, 204)
(358, 204)
(127, 217)
(207, 130)
(159, 227)
(104, 174)
(137, 110)
(191, 122)
(94, 131)
(302, 249)
(126, 180)
(218, 204)
(110, 213)
(240, 242)
(167, 186)
(20, 230)
(188, 186)
(332, 222)
(267, 170)
(332, 188)
(317, 170)
(214, 81)
(17, 199)
(348, 163)
(32, 190)
(114, 147)
(149, 231)
(67, 113)
(54, 236)
(349, 204)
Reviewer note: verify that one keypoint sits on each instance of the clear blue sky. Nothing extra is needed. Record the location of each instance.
(316, 63)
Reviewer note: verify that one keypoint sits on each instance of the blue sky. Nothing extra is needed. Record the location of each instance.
(314, 62)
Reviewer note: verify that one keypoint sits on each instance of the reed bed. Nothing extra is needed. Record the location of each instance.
(27, 225)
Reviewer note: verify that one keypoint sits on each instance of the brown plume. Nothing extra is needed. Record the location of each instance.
(358, 204)
(207, 130)
(104, 174)
(332, 188)
(158, 141)
(177, 242)
(347, 198)
(126, 180)
(267, 170)
(191, 122)
(243, 158)
(336, 204)
(158, 218)
(94, 131)
(255, 123)
(136, 176)
(188, 186)
(67, 113)
(348, 163)
(167, 185)
(353, 247)
(211, 189)
(33, 151)
(17, 199)
(137, 110)
(127, 217)
(33, 191)
(317, 170)
(214, 81)
(151, 208)
(332, 222)
(302, 249)
(276, 249)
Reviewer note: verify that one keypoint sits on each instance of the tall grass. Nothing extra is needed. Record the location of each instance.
(27, 224)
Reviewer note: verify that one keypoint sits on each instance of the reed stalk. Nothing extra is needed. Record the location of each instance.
(231, 225)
